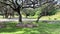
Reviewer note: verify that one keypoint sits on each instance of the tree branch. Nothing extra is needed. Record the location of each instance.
(13, 4)
(8, 5)
(10, 1)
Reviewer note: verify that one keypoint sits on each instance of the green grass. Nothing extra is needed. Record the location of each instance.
(1, 17)
(43, 28)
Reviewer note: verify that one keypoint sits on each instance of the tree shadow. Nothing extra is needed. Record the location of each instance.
(10, 27)
(43, 28)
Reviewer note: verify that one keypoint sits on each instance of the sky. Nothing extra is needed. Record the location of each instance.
(19, 1)
(58, 1)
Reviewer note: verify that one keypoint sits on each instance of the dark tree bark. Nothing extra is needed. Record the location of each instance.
(38, 19)
(20, 16)
(26, 16)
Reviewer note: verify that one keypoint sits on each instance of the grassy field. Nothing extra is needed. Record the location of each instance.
(43, 28)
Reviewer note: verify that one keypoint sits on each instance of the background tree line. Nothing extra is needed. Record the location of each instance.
(46, 7)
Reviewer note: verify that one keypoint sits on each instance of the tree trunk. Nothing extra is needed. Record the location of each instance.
(38, 18)
(20, 16)
(39, 14)
(6, 15)
(26, 16)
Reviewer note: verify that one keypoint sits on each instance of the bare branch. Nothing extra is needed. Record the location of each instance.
(10, 1)
(4, 3)
(13, 3)
(7, 4)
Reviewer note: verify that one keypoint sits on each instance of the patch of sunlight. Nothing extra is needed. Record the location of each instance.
(36, 32)
(5, 33)
(53, 17)
(18, 32)
(57, 16)
(56, 31)
(45, 18)
(16, 16)
(23, 16)
(1, 17)
(35, 16)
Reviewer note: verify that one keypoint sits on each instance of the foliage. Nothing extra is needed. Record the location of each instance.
(29, 12)
(53, 11)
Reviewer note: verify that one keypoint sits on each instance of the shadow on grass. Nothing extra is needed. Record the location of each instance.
(43, 28)
(10, 27)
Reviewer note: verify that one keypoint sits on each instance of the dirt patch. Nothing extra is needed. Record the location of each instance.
(2, 25)
(28, 25)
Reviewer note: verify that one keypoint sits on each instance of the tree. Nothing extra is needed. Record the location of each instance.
(17, 5)
(48, 7)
